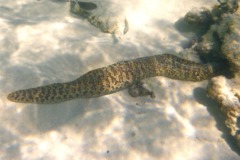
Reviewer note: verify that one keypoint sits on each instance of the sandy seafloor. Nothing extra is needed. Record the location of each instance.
(42, 43)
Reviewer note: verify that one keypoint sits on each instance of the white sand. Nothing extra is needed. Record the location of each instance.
(42, 43)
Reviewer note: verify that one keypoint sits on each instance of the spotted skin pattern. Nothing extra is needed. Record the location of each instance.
(115, 77)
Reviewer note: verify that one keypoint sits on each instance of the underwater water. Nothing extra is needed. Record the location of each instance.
(42, 42)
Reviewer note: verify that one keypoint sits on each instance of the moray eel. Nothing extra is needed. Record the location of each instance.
(115, 77)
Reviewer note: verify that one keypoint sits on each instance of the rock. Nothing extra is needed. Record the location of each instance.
(100, 17)
(222, 44)
(198, 16)
(227, 93)
(222, 40)
(229, 33)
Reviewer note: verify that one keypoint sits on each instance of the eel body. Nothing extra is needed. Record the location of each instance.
(115, 77)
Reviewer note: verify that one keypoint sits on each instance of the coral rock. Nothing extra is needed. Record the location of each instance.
(226, 92)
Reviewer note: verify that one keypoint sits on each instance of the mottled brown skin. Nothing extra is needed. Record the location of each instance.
(107, 80)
